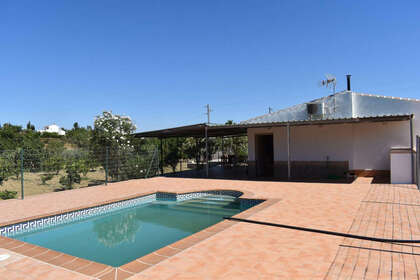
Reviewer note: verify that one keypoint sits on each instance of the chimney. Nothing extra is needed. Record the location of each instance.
(348, 82)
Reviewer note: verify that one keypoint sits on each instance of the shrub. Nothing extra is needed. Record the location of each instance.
(7, 194)
(73, 170)
(133, 167)
(6, 168)
(46, 177)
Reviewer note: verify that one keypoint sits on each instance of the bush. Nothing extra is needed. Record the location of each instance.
(133, 167)
(6, 168)
(51, 135)
(7, 194)
(73, 170)
(46, 177)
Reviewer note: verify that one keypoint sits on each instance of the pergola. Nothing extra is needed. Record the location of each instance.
(205, 130)
(201, 130)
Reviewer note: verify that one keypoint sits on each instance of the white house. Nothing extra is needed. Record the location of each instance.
(348, 132)
(53, 128)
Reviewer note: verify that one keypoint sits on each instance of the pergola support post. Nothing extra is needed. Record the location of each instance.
(161, 156)
(207, 151)
(223, 150)
(289, 173)
(197, 156)
(181, 153)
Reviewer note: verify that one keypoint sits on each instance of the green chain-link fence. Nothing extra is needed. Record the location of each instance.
(28, 172)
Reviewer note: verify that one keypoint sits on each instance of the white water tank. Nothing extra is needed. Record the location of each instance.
(401, 170)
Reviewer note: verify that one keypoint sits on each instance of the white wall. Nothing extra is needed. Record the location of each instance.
(373, 142)
(400, 167)
(364, 145)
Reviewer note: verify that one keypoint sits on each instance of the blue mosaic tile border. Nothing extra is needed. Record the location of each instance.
(192, 195)
(82, 214)
(69, 217)
(166, 196)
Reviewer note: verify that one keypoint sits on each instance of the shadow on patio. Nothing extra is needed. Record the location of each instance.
(241, 173)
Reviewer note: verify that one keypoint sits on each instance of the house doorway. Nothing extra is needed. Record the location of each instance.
(264, 155)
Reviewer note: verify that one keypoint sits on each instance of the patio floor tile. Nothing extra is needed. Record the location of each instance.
(239, 250)
(135, 266)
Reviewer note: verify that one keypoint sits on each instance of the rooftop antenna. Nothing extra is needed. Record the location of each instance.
(329, 82)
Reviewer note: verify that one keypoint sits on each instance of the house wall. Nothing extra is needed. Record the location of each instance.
(364, 145)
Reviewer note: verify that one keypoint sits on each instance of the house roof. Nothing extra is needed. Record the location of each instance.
(220, 130)
(344, 105)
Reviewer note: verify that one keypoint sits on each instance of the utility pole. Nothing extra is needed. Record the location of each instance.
(208, 113)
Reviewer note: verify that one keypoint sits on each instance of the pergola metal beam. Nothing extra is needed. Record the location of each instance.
(161, 156)
(198, 130)
(207, 151)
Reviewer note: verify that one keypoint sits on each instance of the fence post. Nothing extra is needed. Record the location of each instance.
(161, 157)
(158, 158)
(106, 165)
(21, 174)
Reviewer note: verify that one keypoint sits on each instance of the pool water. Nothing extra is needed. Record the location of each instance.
(120, 237)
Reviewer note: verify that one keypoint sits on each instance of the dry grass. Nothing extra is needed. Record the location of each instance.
(33, 184)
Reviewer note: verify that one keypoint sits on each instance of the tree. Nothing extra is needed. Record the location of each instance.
(196, 148)
(135, 166)
(73, 170)
(86, 162)
(11, 137)
(237, 146)
(172, 153)
(32, 146)
(6, 168)
(30, 126)
(191, 149)
(147, 145)
(113, 132)
(79, 136)
(53, 159)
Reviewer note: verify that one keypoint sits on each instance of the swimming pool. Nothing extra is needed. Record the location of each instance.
(122, 234)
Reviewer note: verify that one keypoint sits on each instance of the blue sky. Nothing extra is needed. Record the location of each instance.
(160, 62)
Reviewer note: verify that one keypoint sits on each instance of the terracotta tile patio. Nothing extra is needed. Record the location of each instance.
(236, 250)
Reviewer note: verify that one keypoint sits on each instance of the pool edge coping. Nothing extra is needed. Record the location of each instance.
(103, 271)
